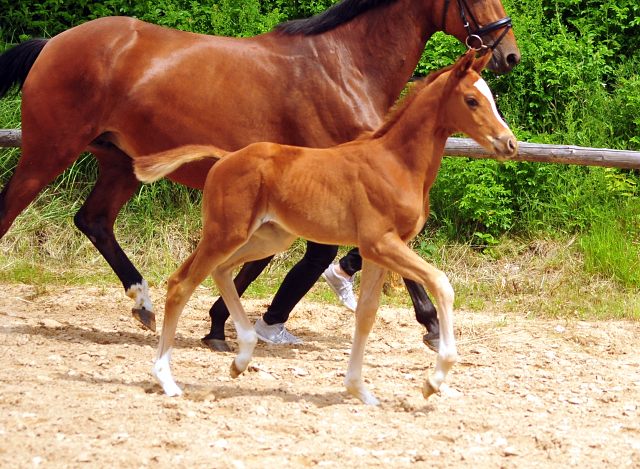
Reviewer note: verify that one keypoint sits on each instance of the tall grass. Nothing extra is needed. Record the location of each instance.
(612, 246)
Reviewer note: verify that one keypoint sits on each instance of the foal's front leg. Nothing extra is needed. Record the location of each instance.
(370, 287)
(391, 252)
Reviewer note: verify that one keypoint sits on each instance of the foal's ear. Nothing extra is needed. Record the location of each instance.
(482, 62)
(463, 64)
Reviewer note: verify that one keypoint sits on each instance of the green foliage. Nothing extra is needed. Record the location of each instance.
(470, 197)
(611, 247)
(579, 63)
(31, 18)
(578, 83)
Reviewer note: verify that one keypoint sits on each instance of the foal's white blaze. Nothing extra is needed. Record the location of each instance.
(140, 294)
(484, 89)
(162, 374)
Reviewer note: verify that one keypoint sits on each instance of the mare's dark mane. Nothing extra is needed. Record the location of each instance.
(403, 103)
(338, 14)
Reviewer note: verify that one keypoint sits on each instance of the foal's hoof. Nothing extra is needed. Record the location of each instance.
(146, 317)
(428, 389)
(216, 345)
(235, 371)
(432, 340)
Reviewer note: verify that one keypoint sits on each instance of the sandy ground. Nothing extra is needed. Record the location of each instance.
(76, 391)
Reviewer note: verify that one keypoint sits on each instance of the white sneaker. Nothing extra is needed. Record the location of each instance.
(343, 287)
(274, 334)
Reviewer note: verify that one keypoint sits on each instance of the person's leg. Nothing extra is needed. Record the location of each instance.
(351, 263)
(339, 276)
(299, 281)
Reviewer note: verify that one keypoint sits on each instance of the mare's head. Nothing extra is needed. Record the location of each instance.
(468, 107)
(481, 24)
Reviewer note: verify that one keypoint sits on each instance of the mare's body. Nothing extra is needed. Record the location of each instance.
(372, 193)
(122, 88)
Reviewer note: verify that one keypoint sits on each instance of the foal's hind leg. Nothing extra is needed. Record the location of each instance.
(269, 239)
(115, 186)
(181, 286)
(370, 288)
(219, 313)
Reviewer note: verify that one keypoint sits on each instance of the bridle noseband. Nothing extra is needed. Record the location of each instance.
(473, 36)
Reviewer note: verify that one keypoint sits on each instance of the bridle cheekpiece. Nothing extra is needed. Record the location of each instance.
(476, 36)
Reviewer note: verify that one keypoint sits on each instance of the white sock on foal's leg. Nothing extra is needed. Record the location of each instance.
(162, 374)
(247, 340)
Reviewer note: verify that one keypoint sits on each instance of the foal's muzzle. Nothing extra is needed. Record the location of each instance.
(505, 146)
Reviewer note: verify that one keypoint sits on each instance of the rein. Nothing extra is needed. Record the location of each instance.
(476, 35)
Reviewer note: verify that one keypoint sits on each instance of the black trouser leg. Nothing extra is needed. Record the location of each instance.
(299, 281)
(219, 312)
(352, 262)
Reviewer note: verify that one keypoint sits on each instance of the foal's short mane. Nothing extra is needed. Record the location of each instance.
(403, 103)
(338, 14)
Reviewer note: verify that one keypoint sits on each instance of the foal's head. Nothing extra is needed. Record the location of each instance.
(468, 107)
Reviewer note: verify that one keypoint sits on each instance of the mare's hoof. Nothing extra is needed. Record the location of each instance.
(432, 340)
(146, 318)
(216, 345)
(235, 372)
(428, 389)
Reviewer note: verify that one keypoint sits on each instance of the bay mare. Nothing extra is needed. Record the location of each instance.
(372, 193)
(121, 88)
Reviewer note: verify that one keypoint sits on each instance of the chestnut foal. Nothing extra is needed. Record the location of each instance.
(372, 193)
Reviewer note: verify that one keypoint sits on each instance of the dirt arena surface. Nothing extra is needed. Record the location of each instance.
(76, 391)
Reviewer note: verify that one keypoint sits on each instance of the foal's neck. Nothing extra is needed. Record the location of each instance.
(418, 136)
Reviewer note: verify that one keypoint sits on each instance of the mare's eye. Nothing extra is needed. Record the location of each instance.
(471, 102)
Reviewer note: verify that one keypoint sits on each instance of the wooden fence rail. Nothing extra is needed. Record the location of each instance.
(543, 153)
(538, 152)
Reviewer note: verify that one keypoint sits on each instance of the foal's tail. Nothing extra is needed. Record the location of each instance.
(16, 63)
(153, 167)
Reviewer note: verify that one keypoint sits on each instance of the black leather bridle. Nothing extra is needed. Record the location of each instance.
(476, 36)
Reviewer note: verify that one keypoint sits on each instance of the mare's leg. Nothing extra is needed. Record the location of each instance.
(426, 313)
(370, 287)
(219, 312)
(44, 157)
(115, 186)
(390, 252)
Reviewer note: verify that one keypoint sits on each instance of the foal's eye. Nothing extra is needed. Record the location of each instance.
(471, 102)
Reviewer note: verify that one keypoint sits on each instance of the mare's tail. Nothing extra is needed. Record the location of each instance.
(153, 167)
(16, 62)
